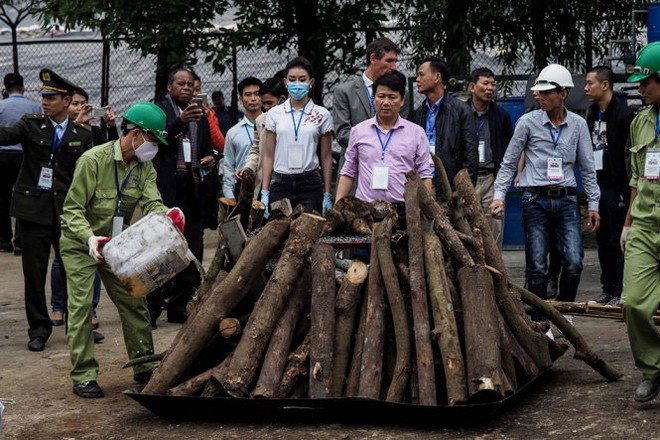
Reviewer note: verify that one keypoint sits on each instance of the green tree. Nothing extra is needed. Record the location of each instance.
(329, 33)
(172, 30)
(527, 34)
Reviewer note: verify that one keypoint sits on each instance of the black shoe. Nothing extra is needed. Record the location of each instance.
(647, 390)
(18, 251)
(98, 337)
(176, 316)
(57, 322)
(604, 298)
(37, 344)
(88, 390)
(6, 246)
(143, 378)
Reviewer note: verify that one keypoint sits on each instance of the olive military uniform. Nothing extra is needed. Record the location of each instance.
(38, 210)
(641, 270)
(88, 211)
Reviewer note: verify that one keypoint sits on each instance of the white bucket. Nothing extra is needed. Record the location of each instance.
(148, 254)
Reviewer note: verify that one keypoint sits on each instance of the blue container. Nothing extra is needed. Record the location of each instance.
(653, 32)
(515, 105)
(514, 233)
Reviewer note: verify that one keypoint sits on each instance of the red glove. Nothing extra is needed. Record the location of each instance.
(176, 215)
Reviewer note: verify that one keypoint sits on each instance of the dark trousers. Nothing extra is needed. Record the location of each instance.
(301, 189)
(10, 163)
(613, 207)
(58, 291)
(37, 241)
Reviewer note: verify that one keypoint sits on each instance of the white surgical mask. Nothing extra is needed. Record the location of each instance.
(146, 151)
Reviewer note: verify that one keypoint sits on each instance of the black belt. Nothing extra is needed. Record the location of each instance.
(297, 175)
(485, 171)
(553, 191)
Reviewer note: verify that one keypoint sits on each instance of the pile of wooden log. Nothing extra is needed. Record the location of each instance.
(430, 317)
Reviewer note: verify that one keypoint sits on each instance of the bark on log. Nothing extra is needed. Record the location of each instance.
(195, 333)
(346, 307)
(196, 384)
(353, 379)
(281, 340)
(334, 223)
(582, 350)
(445, 185)
(515, 355)
(455, 211)
(226, 206)
(296, 368)
(322, 315)
(245, 197)
(485, 377)
(445, 329)
(357, 213)
(371, 373)
(420, 310)
(256, 215)
(401, 374)
(433, 211)
(250, 350)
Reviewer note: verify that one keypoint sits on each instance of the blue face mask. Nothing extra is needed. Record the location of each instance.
(298, 90)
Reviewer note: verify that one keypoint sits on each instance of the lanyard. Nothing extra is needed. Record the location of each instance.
(657, 129)
(600, 119)
(555, 142)
(123, 185)
(56, 143)
(383, 147)
(482, 126)
(371, 99)
(249, 135)
(302, 113)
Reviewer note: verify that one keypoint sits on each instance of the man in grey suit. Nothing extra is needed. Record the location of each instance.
(352, 102)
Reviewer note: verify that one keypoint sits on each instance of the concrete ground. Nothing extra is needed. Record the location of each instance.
(569, 401)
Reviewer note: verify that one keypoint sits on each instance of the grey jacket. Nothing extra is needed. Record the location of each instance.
(350, 106)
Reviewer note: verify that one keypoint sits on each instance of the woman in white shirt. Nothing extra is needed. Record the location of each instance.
(295, 130)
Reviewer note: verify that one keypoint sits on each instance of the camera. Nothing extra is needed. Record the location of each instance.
(99, 112)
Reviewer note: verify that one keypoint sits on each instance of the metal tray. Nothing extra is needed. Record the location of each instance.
(317, 411)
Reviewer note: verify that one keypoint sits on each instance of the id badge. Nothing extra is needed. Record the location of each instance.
(186, 151)
(117, 225)
(294, 159)
(45, 178)
(482, 151)
(381, 177)
(555, 171)
(652, 164)
(598, 159)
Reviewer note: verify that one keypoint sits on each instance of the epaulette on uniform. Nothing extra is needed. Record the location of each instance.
(35, 116)
(83, 125)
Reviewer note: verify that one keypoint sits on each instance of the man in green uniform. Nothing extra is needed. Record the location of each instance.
(109, 182)
(640, 239)
(52, 143)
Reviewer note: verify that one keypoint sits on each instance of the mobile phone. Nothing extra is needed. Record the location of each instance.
(99, 112)
(204, 98)
(199, 102)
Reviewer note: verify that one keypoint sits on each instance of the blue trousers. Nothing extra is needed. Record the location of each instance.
(57, 296)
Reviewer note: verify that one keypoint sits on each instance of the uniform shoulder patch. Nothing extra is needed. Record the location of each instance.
(83, 125)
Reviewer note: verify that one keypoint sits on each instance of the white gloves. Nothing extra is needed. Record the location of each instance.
(94, 244)
(624, 236)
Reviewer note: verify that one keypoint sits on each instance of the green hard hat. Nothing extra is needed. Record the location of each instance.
(148, 116)
(648, 62)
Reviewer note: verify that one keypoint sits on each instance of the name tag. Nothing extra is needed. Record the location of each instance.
(294, 156)
(598, 159)
(117, 225)
(555, 171)
(482, 151)
(652, 164)
(381, 177)
(45, 179)
(186, 151)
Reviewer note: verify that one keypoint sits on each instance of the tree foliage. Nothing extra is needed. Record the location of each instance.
(330, 33)
(526, 35)
(172, 30)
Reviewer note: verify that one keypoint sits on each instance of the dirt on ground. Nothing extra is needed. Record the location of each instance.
(569, 401)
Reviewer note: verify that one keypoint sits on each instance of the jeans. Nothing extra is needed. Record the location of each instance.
(57, 289)
(305, 189)
(613, 208)
(545, 217)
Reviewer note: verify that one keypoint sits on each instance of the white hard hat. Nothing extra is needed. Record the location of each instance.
(553, 76)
